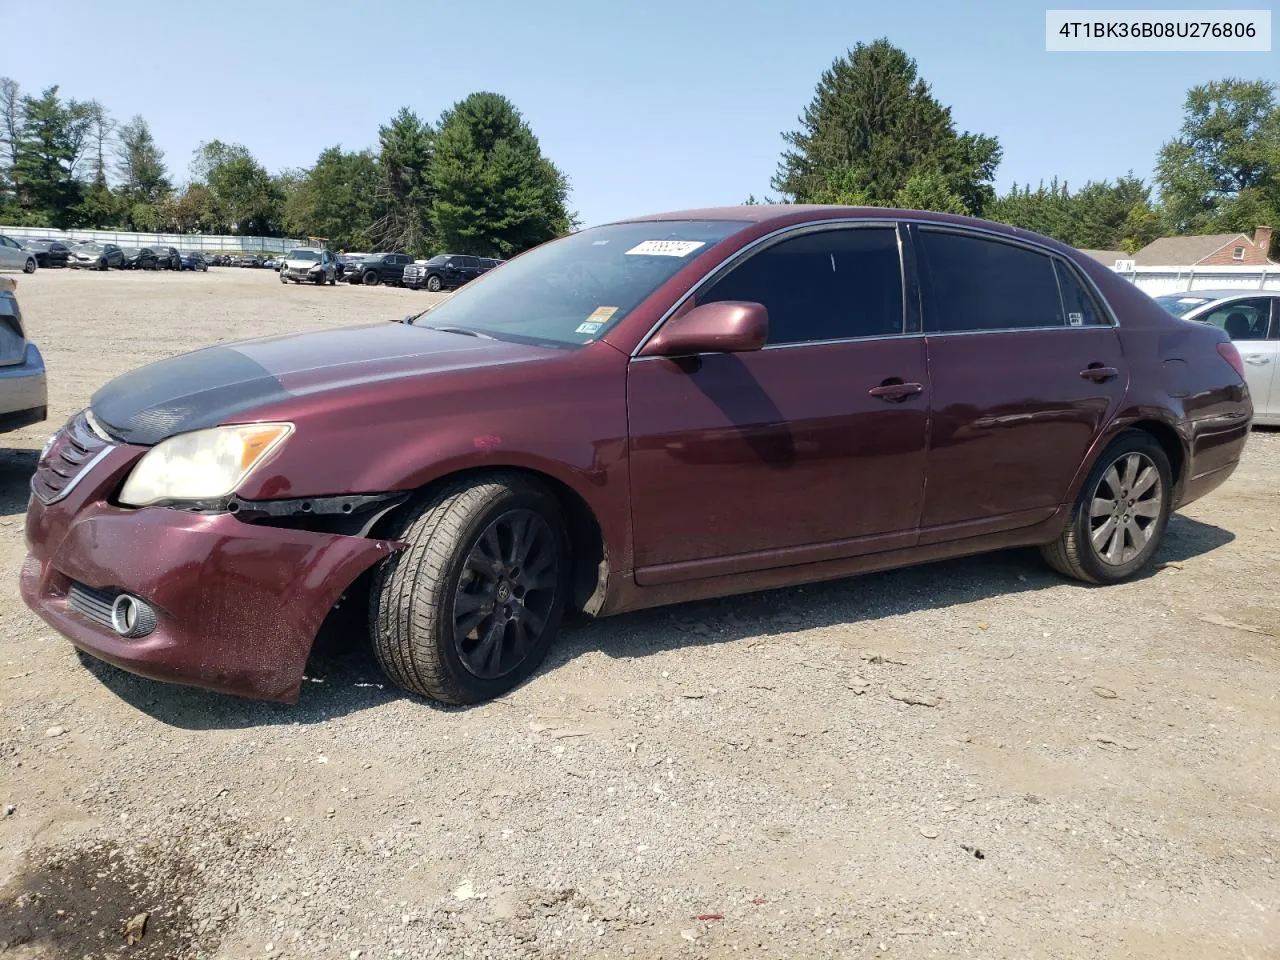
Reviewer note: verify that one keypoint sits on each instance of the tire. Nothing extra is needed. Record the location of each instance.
(1085, 550)
(413, 617)
(371, 278)
(30, 265)
(434, 284)
(284, 280)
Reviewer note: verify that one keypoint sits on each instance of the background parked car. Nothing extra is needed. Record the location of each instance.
(379, 268)
(97, 256)
(448, 271)
(13, 257)
(24, 396)
(194, 260)
(1251, 318)
(348, 262)
(168, 258)
(273, 262)
(309, 265)
(49, 253)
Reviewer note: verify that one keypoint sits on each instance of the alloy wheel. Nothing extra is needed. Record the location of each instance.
(1126, 508)
(506, 591)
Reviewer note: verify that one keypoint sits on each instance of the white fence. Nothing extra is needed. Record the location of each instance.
(1158, 280)
(183, 241)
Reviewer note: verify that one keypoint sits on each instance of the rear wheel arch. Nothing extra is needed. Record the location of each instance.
(588, 550)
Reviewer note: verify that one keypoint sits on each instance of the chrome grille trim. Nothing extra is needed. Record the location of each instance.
(72, 453)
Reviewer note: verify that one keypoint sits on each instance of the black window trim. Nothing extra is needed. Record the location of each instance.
(908, 256)
(761, 244)
(1091, 291)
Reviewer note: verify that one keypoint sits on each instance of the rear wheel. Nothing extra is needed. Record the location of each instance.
(30, 265)
(470, 609)
(1120, 515)
(371, 278)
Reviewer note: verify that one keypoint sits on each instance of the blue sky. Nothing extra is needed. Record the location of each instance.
(647, 106)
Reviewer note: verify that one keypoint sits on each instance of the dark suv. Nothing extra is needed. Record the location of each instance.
(378, 268)
(448, 271)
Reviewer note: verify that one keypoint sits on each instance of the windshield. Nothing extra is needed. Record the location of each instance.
(91, 248)
(572, 291)
(304, 255)
(1179, 305)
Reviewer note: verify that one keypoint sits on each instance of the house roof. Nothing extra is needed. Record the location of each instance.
(1185, 251)
(1107, 257)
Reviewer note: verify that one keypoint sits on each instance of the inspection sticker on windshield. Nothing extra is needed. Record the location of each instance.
(666, 248)
(588, 327)
(601, 314)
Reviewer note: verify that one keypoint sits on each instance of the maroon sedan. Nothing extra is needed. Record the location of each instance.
(680, 406)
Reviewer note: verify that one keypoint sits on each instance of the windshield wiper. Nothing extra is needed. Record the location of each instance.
(464, 331)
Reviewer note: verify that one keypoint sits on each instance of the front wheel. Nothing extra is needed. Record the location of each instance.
(470, 608)
(371, 278)
(433, 284)
(1121, 513)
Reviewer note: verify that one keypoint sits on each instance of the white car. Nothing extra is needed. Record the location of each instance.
(1251, 318)
(14, 257)
(309, 265)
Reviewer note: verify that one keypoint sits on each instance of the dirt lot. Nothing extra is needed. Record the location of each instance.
(1099, 775)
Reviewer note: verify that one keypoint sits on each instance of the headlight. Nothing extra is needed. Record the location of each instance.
(202, 465)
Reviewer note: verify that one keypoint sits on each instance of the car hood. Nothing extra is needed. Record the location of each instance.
(301, 263)
(229, 381)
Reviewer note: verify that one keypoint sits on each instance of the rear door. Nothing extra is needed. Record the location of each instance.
(1025, 368)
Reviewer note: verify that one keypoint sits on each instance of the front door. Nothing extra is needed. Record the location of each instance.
(812, 448)
(1025, 370)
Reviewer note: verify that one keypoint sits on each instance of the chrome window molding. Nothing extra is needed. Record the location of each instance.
(847, 222)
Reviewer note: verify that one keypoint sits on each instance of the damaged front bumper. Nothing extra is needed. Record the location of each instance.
(237, 604)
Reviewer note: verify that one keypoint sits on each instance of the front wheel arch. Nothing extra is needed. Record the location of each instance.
(588, 552)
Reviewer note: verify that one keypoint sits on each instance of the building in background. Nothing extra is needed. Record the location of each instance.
(1210, 250)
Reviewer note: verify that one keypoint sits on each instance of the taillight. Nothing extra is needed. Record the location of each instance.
(1229, 353)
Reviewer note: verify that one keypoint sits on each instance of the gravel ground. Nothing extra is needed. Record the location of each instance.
(973, 758)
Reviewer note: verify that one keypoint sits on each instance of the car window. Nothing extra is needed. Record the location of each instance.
(7, 242)
(831, 285)
(979, 284)
(1082, 309)
(1242, 319)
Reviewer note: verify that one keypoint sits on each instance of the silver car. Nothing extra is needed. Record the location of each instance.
(24, 398)
(15, 257)
(309, 265)
(1251, 318)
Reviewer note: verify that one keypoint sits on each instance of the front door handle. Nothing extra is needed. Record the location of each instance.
(894, 390)
(1257, 359)
(1098, 373)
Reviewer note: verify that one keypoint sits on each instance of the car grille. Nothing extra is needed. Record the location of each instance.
(74, 449)
(92, 603)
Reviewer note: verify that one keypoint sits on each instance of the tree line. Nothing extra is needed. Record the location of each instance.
(874, 135)
(475, 182)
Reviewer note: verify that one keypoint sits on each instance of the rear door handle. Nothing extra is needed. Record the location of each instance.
(895, 391)
(1257, 359)
(1098, 373)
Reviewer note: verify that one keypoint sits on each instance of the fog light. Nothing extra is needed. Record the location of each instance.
(131, 617)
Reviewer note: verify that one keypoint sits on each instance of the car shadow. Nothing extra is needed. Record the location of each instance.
(343, 677)
(16, 468)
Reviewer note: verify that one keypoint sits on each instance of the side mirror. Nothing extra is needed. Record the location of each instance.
(730, 326)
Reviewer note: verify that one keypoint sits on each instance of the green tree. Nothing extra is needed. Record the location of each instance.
(928, 191)
(47, 149)
(1222, 171)
(140, 164)
(243, 197)
(495, 192)
(1102, 215)
(338, 199)
(405, 194)
(872, 125)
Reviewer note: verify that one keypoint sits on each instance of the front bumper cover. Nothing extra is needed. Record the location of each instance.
(238, 604)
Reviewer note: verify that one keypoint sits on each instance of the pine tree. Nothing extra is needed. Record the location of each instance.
(405, 193)
(46, 151)
(871, 126)
(495, 192)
